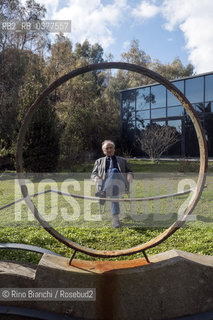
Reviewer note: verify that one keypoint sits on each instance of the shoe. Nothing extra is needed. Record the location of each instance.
(115, 221)
(101, 194)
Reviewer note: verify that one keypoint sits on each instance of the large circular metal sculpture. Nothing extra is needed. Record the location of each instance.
(201, 177)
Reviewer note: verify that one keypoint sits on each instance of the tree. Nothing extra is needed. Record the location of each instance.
(86, 53)
(87, 112)
(25, 39)
(13, 66)
(41, 146)
(156, 139)
(61, 59)
(174, 70)
(15, 57)
(137, 56)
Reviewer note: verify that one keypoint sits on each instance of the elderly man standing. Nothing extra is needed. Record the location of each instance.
(112, 174)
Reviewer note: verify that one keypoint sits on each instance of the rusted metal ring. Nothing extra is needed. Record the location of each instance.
(201, 177)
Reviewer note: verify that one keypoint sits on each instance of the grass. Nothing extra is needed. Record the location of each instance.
(137, 165)
(149, 220)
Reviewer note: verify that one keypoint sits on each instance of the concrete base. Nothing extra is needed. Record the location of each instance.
(174, 284)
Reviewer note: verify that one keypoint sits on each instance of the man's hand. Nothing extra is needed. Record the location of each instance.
(98, 180)
(129, 177)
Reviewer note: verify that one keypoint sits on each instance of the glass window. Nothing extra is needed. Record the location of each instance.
(143, 98)
(143, 124)
(128, 107)
(188, 120)
(209, 107)
(199, 107)
(175, 111)
(131, 118)
(194, 89)
(158, 96)
(177, 124)
(127, 114)
(209, 133)
(144, 114)
(209, 87)
(158, 113)
(160, 123)
(128, 100)
(191, 142)
(171, 99)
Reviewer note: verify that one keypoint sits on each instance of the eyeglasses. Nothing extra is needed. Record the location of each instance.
(108, 148)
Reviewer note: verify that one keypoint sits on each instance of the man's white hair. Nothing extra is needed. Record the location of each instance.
(107, 141)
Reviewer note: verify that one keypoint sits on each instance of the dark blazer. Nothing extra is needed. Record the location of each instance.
(100, 166)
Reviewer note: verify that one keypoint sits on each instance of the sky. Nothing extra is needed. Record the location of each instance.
(165, 29)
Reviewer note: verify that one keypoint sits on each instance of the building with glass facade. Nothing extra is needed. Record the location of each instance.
(155, 104)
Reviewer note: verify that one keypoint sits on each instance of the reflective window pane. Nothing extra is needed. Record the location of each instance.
(177, 124)
(208, 107)
(144, 114)
(143, 98)
(143, 124)
(209, 87)
(171, 99)
(158, 96)
(127, 114)
(128, 100)
(175, 111)
(158, 113)
(191, 142)
(199, 107)
(209, 132)
(188, 121)
(194, 89)
(128, 106)
(160, 123)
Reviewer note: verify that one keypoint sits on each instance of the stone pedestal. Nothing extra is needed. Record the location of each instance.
(174, 284)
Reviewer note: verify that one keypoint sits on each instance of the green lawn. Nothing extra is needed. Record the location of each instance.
(140, 222)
